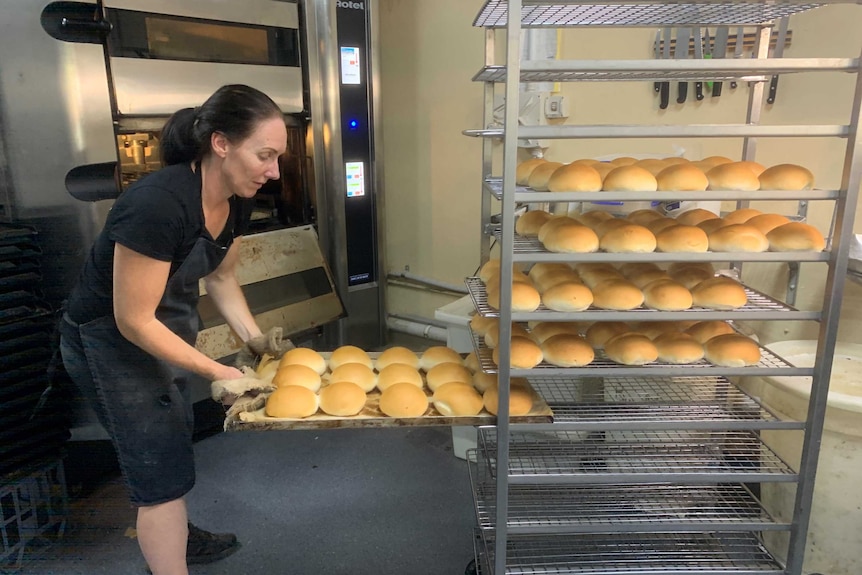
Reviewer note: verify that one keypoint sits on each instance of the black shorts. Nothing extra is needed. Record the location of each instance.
(145, 409)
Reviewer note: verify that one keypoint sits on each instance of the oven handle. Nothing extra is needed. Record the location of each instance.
(94, 26)
(79, 22)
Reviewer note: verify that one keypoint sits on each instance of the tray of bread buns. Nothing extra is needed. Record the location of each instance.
(349, 388)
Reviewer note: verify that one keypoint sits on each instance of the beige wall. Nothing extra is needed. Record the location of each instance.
(429, 53)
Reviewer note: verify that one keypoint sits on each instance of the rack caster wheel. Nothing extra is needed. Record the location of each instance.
(471, 568)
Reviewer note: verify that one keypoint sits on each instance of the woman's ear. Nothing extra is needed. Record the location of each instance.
(219, 144)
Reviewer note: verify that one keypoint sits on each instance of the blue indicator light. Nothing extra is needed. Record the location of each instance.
(353, 124)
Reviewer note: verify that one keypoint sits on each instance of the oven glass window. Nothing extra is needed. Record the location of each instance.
(176, 40)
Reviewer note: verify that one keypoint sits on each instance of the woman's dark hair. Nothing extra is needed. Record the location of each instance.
(233, 110)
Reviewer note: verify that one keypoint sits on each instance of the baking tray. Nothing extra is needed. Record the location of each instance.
(371, 416)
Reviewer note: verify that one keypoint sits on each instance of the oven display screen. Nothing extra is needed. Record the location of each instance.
(355, 179)
(350, 65)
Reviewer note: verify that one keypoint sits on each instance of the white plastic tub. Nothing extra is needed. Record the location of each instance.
(834, 542)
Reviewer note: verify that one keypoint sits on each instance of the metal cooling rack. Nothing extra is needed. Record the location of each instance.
(620, 508)
(595, 403)
(759, 306)
(770, 364)
(609, 457)
(747, 70)
(494, 186)
(636, 554)
(494, 14)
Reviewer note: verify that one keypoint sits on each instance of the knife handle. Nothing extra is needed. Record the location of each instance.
(716, 89)
(683, 92)
(664, 95)
(773, 87)
(656, 86)
(698, 91)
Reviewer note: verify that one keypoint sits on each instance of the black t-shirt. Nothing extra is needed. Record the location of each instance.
(160, 216)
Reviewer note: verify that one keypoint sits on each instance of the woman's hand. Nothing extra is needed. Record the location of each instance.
(223, 372)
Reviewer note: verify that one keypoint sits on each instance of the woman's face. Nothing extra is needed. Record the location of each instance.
(249, 164)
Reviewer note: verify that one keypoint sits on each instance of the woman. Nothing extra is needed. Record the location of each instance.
(129, 330)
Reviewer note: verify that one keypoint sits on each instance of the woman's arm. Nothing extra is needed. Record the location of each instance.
(139, 284)
(226, 293)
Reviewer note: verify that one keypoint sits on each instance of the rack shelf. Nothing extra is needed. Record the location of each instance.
(759, 307)
(613, 131)
(625, 457)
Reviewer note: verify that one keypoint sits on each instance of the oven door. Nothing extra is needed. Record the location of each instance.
(166, 55)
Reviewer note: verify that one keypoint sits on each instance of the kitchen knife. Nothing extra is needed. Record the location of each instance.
(657, 55)
(698, 55)
(664, 99)
(707, 51)
(778, 53)
(720, 51)
(680, 53)
(737, 49)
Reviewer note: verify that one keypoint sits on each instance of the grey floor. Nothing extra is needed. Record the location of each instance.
(331, 502)
(301, 502)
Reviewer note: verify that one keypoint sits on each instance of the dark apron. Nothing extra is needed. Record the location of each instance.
(144, 401)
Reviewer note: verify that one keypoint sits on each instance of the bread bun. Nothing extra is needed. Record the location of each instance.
(796, 237)
(540, 269)
(357, 373)
(691, 276)
(398, 373)
(297, 374)
(629, 179)
(609, 225)
(720, 293)
(712, 225)
(786, 177)
(481, 325)
(653, 165)
(568, 297)
(732, 350)
(525, 168)
(575, 238)
(667, 295)
(676, 266)
(738, 238)
(644, 216)
(604, 168)
(525, 298)
(678, 239)
(267, 368)
(291, 401)
(556, 278)
(660, 224)
(342, 399)
(624, 161)
(575, 178)
(528, 225)
(525, 353)
(544, 330)
(717, 160)
(437, 354)
(304, 356)
(631, 349)
(349, 354)
(600, 332)
(447, 373)
(553, 223)
(755, 167)
(520, 400)
(653, 329)
(695, 216)
(671, 160)
(567, 351)
(678, 348)
(617, 295)
(732, 176)
(457, 400)
(767, 222)
(403, 400)
(628, 239)
(542, 173)
(741, 216)
(585, 162)
(483, 381)
(681, 178)
(397, 354)
(634, 269)
(471, 362)
(647, 277)
(703, 331)
(492, 336)
(593, 218)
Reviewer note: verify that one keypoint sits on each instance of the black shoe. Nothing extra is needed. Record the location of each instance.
(205, 547)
